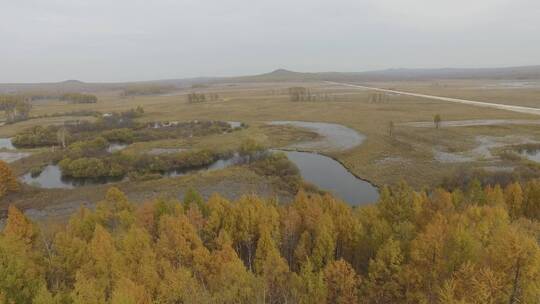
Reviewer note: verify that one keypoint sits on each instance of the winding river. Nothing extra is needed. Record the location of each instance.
(323, 171)
(328, 174)
(333, 137)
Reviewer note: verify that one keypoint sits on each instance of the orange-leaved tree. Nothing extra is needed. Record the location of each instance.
(8, 181)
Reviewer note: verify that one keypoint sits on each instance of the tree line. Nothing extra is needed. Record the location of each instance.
(79, 98)
(16, 107)
(305, 94)
(478, 245)
(378, 97)
(145, 89)
(200, 97)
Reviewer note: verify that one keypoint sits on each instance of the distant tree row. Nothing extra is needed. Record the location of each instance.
(141, 90)
(437, 122)
(15, 107)
(79, 98)
(42, 136)
(199, 97)
(378, 97)
(305, 94)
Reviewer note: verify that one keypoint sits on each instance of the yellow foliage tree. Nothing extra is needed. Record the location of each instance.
(341, 282)
(8, 181)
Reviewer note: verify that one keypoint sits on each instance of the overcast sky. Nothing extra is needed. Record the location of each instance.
(124, 40)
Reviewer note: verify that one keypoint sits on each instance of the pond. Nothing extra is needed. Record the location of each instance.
(532, 154)
(328, 174)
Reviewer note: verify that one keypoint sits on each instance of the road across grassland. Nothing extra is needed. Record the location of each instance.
(519, 109)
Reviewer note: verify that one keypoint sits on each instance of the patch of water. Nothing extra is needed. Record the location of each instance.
(217, 165)
(10, 157)
(533, 155)
(235, 124)
(160, 151)
(498, 169)
(328, 174)
(113, 147)
(51, 178)
(5, 143)
(485, 144)
(335, 137)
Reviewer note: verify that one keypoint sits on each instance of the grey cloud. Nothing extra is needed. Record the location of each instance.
(53, 40)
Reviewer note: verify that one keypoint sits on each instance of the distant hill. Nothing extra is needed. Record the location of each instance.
(510, 73)
(277, 75)
(67, 86)
(506, 73)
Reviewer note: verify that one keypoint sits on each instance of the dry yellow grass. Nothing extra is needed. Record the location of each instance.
(381, 159)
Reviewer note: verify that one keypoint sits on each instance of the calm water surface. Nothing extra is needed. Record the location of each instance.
(51, 176)
(322, 171)
(328, 174)
(5, 143)
(533, 155)
(113, 147)
(8, 153)
(334, 137)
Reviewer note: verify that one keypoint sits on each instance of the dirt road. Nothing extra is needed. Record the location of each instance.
(472, 123)
(519, 109)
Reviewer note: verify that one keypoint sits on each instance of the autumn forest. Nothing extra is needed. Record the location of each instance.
(476, 245)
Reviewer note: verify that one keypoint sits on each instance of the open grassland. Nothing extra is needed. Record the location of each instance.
(269, 136)
(410, 153)
(11, 129)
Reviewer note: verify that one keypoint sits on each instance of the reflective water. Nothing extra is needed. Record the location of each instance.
(322, 171)
(334, 137)
(160, 151)
(10, 156)
(533, 154)
(113, 147)
(5, 143)
(235, 124)
(51, 176)
(217, 165)
(328, 174)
